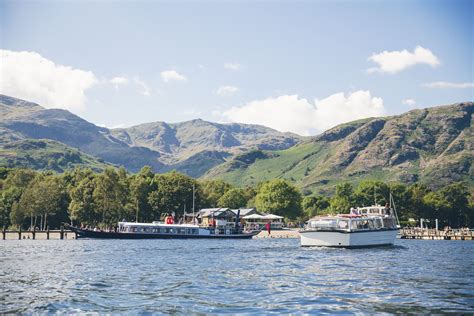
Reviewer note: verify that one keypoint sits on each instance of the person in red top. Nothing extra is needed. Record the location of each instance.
(268, 226)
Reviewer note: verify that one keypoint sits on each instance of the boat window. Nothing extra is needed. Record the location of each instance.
(167, 230)
(378, 223)
(323, 224)
(343, 224)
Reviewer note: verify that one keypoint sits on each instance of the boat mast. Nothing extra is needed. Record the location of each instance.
(194, 197)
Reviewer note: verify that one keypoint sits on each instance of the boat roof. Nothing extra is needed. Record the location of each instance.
(263, 217)
(158, 224)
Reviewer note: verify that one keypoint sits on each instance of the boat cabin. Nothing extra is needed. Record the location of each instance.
(366, 218)
(160, 228)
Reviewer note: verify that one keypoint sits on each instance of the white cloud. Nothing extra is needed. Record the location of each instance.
(232, 66)
(453, 85)
(172, 75)
(118, 81)
(226, 91)
(288, 113)
(30, 76)
(396, 61)
(144, 89)
(409, 102)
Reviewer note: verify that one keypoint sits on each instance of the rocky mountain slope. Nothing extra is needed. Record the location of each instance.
(433, 145)
(192, 147)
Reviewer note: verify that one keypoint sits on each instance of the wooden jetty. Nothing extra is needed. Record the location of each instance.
(37, 234)
(434, 234)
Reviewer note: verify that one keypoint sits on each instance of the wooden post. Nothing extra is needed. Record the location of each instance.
(4, 233)
(34, 232)
(61, 233)
(47, 233)
(19, 233)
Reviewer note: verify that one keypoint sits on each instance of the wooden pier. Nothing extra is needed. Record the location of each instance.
(58, 234)
(433, 234)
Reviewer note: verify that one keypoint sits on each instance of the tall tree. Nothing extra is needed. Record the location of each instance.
(314, 205)
(369, 192)
(234, 199)
(82, 208)
(343, 200)
(140, 188)
(279, 197)
(110, 196)
(212, 191)
(173, 193)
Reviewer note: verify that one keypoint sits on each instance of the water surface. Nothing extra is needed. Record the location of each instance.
(234, 276)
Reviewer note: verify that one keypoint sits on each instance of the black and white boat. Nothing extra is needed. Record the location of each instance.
(160, 230)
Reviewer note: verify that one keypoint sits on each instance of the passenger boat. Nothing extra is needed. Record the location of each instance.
(160, 230)
(363, 227)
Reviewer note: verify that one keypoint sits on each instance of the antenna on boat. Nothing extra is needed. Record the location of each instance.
(194, 197)
(375, 195)
(392, 201)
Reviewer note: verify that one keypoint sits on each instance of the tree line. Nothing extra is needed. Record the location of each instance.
(31, 198)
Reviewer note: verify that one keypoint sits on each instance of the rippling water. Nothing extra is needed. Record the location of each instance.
(241, 276)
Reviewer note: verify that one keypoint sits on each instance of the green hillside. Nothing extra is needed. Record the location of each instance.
(45, 154)
(432, 145)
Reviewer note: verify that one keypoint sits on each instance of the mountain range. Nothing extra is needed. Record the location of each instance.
(192, 147)
(433, 145)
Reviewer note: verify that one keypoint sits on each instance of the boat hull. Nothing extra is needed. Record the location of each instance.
(345, 239)
(83, 233)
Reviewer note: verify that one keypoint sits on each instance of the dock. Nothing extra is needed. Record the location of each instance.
(434, 234)
(58, 234)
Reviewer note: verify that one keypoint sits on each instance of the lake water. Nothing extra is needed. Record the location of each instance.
(241, 276)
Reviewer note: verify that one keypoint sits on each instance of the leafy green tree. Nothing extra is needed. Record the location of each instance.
(7, 198)
(82, 207)
(314, 205)
(343, 199)
(233, 198)
(435, 207)
(456, 197)
(212, 191)
(173, 193)
(140, 188)
(369, 192)
(19, 178)
(111, 196)
(279, 197)
(45, 196)
(417, 205)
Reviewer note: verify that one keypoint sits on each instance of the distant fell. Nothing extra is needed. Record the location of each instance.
(433, 145)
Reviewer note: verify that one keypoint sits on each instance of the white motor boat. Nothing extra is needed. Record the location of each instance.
(363, 227)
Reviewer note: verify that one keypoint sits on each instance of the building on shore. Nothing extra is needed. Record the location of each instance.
(257, 221)
(249, 218)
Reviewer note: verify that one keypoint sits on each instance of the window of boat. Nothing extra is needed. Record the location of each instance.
(133, 229)
(362, 224)
(195, 231)
(180, 231)
(167, 230)
(388, 223)
(323, 224)
(343, 224)
(378, 223)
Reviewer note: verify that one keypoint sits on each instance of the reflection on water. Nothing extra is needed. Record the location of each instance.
(241, 276)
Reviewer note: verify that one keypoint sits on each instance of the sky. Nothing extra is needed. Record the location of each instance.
(296, 66)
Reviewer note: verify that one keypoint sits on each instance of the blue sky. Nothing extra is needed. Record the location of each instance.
(294, 66)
